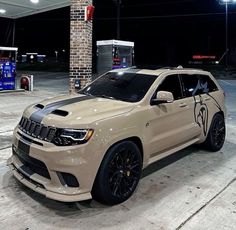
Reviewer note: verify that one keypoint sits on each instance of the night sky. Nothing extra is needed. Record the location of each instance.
(165, 32)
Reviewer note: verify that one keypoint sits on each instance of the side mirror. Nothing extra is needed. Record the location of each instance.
(163, 97)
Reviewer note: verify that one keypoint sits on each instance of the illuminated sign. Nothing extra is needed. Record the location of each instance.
(203, 57)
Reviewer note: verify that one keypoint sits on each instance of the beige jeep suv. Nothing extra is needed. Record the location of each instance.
(96, 143)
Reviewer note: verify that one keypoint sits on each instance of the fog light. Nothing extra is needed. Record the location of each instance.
(68, 179)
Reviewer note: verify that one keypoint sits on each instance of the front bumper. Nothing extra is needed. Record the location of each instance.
(50, 162)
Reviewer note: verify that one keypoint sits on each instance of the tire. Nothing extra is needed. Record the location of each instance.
(119, 174)
(216, 135)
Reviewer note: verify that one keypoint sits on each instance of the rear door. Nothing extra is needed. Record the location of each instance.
(196, 91)
(207, 105)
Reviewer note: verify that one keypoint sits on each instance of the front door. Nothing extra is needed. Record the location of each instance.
(171, 124)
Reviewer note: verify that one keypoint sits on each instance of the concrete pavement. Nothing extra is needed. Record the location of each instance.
(192, 189)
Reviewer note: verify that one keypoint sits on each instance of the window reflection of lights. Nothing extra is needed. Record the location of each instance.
(35, 1)
(2, 11)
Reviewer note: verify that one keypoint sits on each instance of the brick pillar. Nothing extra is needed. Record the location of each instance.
(80, 44)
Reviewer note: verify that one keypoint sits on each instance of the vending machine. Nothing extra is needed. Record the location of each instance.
(1, 77)
(114, 54)
(8, 68)
(8, 76)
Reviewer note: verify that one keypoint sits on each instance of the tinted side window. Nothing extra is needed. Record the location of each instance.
(207, 84)
(197, 84)
(191, 85)
(171, 84)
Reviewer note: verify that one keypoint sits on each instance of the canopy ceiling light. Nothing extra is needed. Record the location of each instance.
(21, 8)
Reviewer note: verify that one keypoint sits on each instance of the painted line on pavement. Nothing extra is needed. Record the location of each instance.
(7, 147)
(206, 204)
(227, 82)
(7, 131)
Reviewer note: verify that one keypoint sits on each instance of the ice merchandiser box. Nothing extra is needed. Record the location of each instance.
(114, 54)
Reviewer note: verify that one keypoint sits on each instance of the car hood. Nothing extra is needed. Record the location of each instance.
(73, 110)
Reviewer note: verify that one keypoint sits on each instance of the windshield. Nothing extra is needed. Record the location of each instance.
(130, 87)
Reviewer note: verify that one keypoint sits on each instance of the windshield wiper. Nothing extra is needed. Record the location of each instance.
(87, 94)
(107, 97)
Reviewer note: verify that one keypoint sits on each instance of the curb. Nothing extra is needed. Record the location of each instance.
(12, 91)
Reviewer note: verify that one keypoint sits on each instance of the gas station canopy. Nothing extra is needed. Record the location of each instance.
(21, 8)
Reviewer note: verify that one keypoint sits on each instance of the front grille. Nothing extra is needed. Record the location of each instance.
(29, 139)
(37, 130)
(31, 163)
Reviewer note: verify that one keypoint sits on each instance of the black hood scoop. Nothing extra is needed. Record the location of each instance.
(59, 112)
(39, 106)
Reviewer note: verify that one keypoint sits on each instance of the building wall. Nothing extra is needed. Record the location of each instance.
(80, 44)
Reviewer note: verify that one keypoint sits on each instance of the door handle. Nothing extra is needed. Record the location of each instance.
(207, 98)
(183, 105)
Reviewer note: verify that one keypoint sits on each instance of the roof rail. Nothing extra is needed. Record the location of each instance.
(152, 67)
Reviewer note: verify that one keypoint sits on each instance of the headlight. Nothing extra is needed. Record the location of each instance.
(65, 137)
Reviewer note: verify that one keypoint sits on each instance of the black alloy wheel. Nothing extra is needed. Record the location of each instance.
(216, 135)
(119, 174)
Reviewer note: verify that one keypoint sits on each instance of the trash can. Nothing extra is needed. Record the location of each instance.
(27, 82)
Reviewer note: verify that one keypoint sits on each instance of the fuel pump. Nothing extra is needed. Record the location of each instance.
(9, 75)
(8, 68)
(114, 54)
(1, 77)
